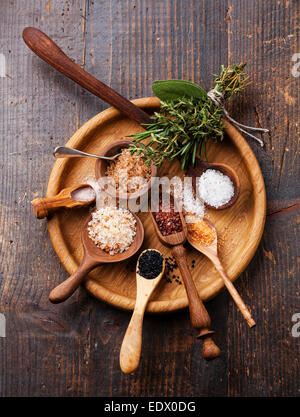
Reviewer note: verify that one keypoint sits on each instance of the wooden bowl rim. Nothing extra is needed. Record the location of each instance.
(100, 292)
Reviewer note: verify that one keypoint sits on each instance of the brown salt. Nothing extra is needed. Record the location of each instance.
(125, 168)
(201, 232)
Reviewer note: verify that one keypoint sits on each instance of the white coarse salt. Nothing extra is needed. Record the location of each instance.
(112, 229)
(183, 192)
(215, 188)
(102, 199)
(83, 194)
(191, 204)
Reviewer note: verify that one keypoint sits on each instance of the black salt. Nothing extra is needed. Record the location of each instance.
(150, 264)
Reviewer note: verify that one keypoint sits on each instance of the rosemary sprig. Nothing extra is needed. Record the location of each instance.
(184, 124)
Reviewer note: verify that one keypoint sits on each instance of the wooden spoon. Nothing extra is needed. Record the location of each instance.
(132, 343)
(94, 256)
(66, 198)
(201, 166)
(46, 49)
(211, 252)
(198, 314)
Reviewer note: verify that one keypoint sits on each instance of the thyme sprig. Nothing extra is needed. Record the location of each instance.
(184, 124)
(231, 80)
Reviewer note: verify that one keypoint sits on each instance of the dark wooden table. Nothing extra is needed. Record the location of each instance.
(73, 349)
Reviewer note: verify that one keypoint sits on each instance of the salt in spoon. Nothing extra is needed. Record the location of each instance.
(132, 343)
(198, 314)
(71, 197)
(211, 252)
(94, 256)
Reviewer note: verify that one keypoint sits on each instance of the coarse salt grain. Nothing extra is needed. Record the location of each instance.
(112, 229)
(215, 188)
(129, 172)
(191, 205)
(83, 194)
(201, 232)
(102, 199)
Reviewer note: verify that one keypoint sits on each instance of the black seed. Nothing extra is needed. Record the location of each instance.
(150, 264)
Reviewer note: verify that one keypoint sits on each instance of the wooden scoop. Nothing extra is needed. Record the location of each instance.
(94, 256)
(132, 343)
(201, 166)
(198, 314)
(211, 252)
(42, 207)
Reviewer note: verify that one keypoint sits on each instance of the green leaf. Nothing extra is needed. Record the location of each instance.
(169, 90)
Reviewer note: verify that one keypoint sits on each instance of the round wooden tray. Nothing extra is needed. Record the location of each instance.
(239, 227)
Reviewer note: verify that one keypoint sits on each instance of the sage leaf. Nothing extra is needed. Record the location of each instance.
(169, 90)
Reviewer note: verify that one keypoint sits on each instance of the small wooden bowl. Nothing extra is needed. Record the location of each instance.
(101, 167)
(202, 166)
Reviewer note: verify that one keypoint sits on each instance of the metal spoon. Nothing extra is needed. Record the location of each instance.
(65, 152)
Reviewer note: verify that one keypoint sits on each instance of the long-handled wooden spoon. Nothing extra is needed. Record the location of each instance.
(46, 49)
(132, 343)
(198, 314)
(71, 197)
(94, 256)
(211, 252)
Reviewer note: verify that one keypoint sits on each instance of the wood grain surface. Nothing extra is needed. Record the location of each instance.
(73, 349)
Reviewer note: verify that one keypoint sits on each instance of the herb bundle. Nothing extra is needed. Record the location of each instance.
(187, 119)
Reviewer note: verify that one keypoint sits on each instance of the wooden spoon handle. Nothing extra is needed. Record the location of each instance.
(64, 290)
(41, 207)
(234, 294)
(132, 343)
(46, 49)
(199, 316)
